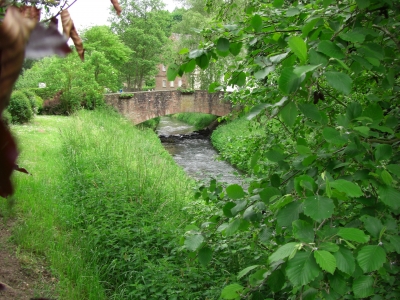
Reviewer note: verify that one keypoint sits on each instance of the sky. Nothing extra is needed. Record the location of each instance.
(87, 13)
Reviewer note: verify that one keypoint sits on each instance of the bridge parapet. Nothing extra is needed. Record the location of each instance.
(143, 106)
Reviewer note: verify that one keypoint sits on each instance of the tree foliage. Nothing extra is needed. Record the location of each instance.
(321, 211)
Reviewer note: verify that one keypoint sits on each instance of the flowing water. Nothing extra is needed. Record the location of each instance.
(196, 156)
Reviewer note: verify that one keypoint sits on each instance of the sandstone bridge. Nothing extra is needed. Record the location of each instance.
(143, 106)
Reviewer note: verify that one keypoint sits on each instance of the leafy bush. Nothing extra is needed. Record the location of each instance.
(185, 90)
(44, 93)
(125, 96)
(20, 108)
(33, 100)
(6, 116)
(198, 120)
(321, 210)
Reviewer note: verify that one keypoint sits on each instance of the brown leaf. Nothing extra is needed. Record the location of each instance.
(78, 43)
(30, 12)
(117, 7)
(14, 34)
(46, 41)
(66, 22)
(8, 157)
(70, 31)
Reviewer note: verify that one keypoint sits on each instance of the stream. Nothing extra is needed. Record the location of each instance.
(196, 156)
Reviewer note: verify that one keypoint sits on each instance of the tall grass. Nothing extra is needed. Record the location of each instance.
(105, 206)
(44, 218)
(198, 120)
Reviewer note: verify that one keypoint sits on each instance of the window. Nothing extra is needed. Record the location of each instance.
(180, 82)
(163, 68)
(164, 83)
(171, 84)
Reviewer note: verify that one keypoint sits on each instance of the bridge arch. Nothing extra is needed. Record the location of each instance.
(143, 106)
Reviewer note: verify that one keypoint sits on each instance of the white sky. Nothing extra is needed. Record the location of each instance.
(87, 13)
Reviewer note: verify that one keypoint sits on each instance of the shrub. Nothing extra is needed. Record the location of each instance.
(32, 99)
(20, 108)
(39, 104)
(44, 93)
(6, 116)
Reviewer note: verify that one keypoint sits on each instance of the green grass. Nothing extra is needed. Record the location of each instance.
(104, 206)
(198, 120)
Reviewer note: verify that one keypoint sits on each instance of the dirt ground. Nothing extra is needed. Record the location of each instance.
(21, 277)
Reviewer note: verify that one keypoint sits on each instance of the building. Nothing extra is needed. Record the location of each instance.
(162, 83)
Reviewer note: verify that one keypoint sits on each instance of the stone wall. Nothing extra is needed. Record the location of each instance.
(147, 105)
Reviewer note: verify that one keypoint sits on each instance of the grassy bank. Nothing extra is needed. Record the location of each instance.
(198, 120)
(237, 141)
(105, 207)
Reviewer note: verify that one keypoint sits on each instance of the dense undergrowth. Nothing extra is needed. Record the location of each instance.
(198, 120)
(106, 206)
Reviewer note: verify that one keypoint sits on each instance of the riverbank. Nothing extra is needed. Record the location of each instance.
(105, 201)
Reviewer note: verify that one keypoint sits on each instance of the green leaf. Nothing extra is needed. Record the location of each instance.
(333, 136)
(276, 280)
(338, 283)
(309, 160)
(330, 49)
(345, 260)
(268, 192)
(263, 72)
(353, 234)
(202, 61)
(372, 224)
(283, 252)
(352, 36)
(193, 242)
(339, 81)
(353, 110)
(386, 177)
(395, 241)
(289, 114)
(328, 246)
(190, 66)
(278, 3)
(245, 271)
(349, 188)
(235, 48)
(303, 231)
(196, 53)
(205, 256)
(305, 69)
(373, 111)
(275, 155)
(371, 258)
(309, 26)
(288, 214)
(302, 269)
(299, 47)
(241, 80)
(325, 260)
(363, 286)
(289, 81)
(363, 3)
(232, 291)
(172, 72)
(390, 196)
(235, 191)
(383, 152)
(310, 111)
(256, 23)
(184, 51)
(394, 169)
(318, 207)
(317, 58)
(233, 227)
(223, 44)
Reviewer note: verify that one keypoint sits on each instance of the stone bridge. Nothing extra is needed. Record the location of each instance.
(143, 106)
